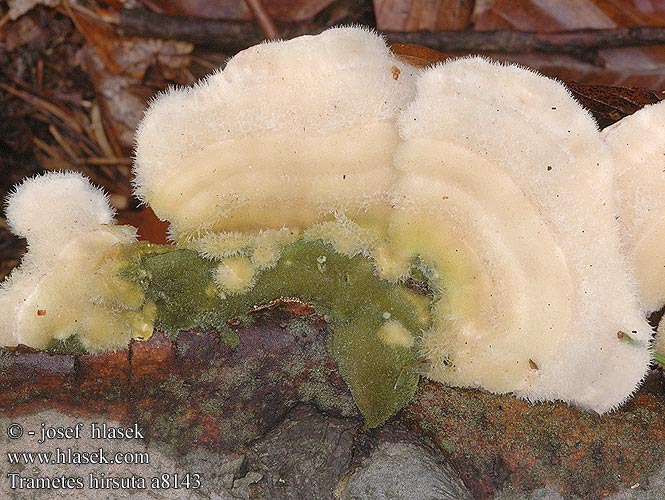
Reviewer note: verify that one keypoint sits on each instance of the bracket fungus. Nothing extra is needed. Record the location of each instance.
(506, 190)
(67, 283)
(286, 134)
(637, 143)
(326, 169)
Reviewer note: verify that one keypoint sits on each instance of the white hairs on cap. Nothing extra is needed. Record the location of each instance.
(506, 189)
(51, 209)
(638, 145)
(287, 133)
(503, 191)
(55, 292)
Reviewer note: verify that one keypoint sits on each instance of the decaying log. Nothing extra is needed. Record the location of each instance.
(196, 392)
(235, 35)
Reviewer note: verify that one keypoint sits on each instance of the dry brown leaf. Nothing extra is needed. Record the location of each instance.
(20, 33)
(417, 15)
(293, 11)
(610, 104)
(643, 67)
(134, 56)
(417, 55)
(541, 16)
(557, 15)
(150, 228)
(123, 96)
(118, 67)
(121, 109)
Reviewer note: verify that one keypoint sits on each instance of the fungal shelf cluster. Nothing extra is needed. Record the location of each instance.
(467, 222)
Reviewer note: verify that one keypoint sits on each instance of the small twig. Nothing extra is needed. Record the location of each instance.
(659, 358)
(99, 134)
(55, 164)
(263, 18)
(105, 161)
(234, 35)
(203, 62)
(4, 19)
(40, 75)
(64, 144)
(85, 11)
(45, 106)
(50, 151)
(582, 44)
(85, 148)
(229, 36)
(70, 13)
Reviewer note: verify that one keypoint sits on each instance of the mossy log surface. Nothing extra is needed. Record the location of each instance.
(194, 389)
(198, 392)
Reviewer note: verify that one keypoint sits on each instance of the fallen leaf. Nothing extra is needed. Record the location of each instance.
(417, 15)
(631, 66)
(293, 11)
(150, 228)
(122, 96)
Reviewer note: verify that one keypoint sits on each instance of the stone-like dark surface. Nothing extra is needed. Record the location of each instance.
(303, 457)
(309, 455)
(403, 470)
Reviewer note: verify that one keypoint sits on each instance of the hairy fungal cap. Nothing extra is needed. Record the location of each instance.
(278, 176)
(506, 190)
(637, 143)
(288, 133)
(65, 284)
(53, 208)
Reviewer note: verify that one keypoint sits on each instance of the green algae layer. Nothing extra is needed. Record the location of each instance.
(375, 324)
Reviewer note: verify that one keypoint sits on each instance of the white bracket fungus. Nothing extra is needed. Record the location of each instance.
(490, 178)
(506, 191)
(638, 145)
(287, 134)
(65, 284)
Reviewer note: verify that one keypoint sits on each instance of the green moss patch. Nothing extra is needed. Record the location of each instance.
(376, 324)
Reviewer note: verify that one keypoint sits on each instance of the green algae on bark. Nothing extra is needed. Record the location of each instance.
(376, 324)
